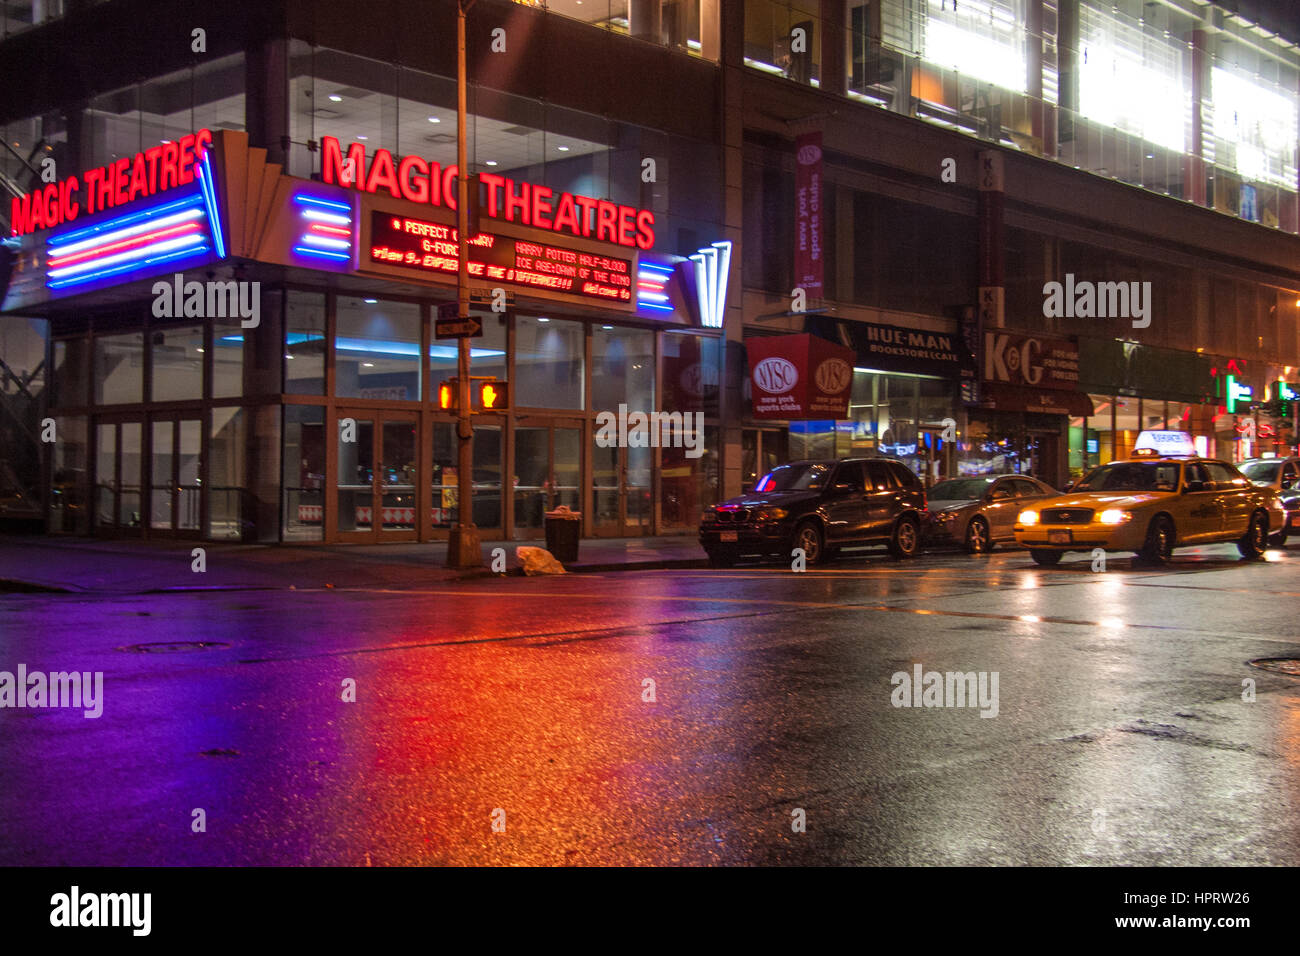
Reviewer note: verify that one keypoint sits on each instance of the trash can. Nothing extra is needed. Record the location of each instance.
(563, 528)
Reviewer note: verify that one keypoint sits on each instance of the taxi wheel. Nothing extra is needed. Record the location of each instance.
(977, 536)
(1255, 540)
(1159, 546)
(809, 537)
(1278, 540)
(1046, 558)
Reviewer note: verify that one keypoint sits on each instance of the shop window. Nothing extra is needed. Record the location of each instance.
(69, 476)
(688, 485)
(226, 454)
(622, 369)
(377, 350)
(690, 372)
(487, 354)
(177, 356)
(119, 368)
(487, 476)
(549, 363)
(304, 343)
(19, 15)
(303, 499)
(228, 359)
(71, 372)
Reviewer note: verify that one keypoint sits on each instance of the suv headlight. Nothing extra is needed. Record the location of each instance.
(1114, 516)
(771, 514)
(1028, 517)
(708, 517)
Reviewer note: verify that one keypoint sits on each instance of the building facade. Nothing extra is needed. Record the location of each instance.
(659, 183)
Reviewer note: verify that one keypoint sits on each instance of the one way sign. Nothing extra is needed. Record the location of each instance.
(468, 327)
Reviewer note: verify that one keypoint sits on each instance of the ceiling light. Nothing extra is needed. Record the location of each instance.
(490, 162)
(563, 149)
(370, 301)
(607, 327)
(335, 98)
(363, 137)
(434, 119)
(367, 364)
(543, 320)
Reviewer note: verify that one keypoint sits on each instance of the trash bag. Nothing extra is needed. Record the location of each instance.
(538, 561)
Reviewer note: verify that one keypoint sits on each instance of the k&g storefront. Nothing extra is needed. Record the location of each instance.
(317, 419)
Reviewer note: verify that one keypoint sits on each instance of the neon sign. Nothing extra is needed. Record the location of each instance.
(417, 180)
(327, 229)
(166, 233)
(433, 247)
(652, 287)
(155, 170)
(712, 272)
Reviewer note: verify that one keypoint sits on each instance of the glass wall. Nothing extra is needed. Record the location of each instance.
(226, 473)
(303, 504)
(304, 343)
(377, 349)
(119, 368)
(549, 362)
(1185, 101)
(177, 363)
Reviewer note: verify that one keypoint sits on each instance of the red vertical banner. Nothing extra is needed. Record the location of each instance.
(808, 257)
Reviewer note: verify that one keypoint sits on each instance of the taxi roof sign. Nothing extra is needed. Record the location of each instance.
(1164, 443)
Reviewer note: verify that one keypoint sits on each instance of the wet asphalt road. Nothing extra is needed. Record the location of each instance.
(1121, 735)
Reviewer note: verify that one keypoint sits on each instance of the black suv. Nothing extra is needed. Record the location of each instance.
(819, 506)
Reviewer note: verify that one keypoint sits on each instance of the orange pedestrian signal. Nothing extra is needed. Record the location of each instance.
(447, 395)
(493, 396)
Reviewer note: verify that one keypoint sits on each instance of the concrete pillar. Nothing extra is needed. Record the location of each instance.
(645, 19)
(832, 75)
(732, 371)
(266, 98)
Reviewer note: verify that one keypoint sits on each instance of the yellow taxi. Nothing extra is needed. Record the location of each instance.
(1150, 504)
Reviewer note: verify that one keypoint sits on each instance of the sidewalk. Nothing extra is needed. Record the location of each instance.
(133, 567)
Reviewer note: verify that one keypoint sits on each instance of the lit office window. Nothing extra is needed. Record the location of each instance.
(978, 38)
(1132, 79)
(1255, 128)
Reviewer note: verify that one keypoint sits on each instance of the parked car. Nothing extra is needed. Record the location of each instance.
(1150, 506)
(1283, 476)
(979, 513)
(819, 506)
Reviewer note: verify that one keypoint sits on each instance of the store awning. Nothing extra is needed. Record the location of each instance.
(1048, 401)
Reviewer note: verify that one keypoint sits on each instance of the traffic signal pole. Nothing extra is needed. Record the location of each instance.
(464, 550)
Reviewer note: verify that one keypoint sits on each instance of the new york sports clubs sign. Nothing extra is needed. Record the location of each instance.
(799, 377)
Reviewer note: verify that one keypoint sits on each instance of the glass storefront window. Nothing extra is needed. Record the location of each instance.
(487, 476)
(549, 364)
(487, 352)
(228, 359)
(119, 368)
(226, 455)
(303, 499)
(68, 477)
(377, 350)
(304, 343)
(622, 369)
(177, 363)
(71, 372)
(690, 373)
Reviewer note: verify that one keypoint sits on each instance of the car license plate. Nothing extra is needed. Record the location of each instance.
(729, 536)
(1060, 537)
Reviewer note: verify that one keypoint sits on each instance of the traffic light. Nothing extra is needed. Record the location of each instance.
(447, 395)
(494, 396)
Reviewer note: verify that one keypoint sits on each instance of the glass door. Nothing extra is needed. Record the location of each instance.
(174, 486)
(621, 483)
(119, 447)
(548, 469)
(377, 479)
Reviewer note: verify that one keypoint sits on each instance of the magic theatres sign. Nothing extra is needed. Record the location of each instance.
(417, 180)
(148, 173)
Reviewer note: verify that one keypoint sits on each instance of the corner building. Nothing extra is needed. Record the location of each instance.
(660, 183)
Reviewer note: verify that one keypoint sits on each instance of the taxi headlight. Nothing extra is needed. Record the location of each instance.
(1028, 517)
(1114, 516)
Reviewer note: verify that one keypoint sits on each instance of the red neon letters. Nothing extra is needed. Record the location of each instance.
(416, 180)
(162, 167)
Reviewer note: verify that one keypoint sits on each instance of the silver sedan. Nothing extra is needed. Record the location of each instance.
(977, 513)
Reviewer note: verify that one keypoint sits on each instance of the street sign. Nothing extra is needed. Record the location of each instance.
(469, 327)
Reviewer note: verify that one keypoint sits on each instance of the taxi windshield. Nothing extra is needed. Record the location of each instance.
(808, 476)
(1131, 476)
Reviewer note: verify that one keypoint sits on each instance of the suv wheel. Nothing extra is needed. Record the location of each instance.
(721, 558)
(1255, 540)
(906, 539)
(1278, 539)
(809, 537)
(1159, 545)
(1046, 558)
(978, 540)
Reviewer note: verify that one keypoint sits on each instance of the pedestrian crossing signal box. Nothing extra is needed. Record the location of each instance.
(447, 395)
(493, 396)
